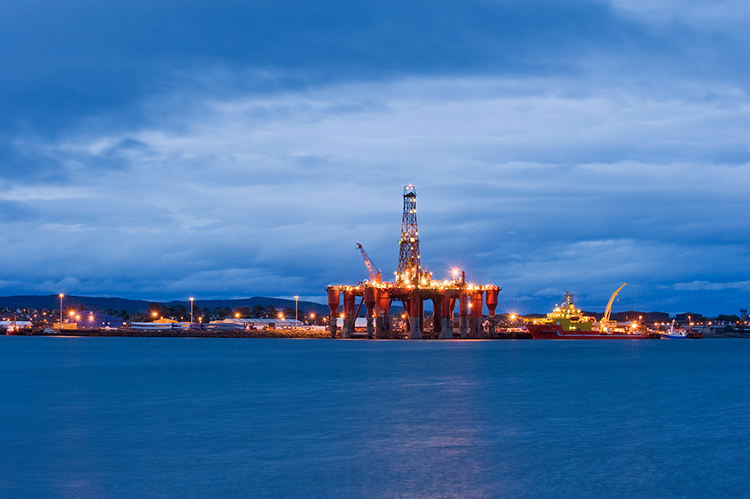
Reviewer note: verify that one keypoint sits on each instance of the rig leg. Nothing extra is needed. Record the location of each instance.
(382, 324)
(446, 329)
(333, 305)
(415, 331)
(370, 298)
(491, 296)
(476, 316)
(369, 327)
(446, 321)
(463, 313)
(332, 322)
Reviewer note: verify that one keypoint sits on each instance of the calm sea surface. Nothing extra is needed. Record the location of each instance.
(170, 417)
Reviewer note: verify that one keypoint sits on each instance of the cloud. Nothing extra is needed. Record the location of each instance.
(711, 286)
(242, 149)
(704, 14)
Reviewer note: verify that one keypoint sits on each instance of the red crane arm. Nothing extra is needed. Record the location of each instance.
(371, 269)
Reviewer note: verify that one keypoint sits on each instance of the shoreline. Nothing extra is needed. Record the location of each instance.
(227, 333)
(267, 333)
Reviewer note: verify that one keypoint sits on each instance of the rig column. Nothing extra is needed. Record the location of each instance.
(346, 330)
(476, 316)
(463, 313)
(446, 326)
(333, 304)
(382, 325)
(491, 305)
(437, 315)
(415, 317)
(370, 303)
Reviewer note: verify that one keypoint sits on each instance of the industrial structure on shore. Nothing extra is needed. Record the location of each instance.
(413, 286)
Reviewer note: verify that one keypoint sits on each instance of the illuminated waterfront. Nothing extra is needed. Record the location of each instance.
(148, 417)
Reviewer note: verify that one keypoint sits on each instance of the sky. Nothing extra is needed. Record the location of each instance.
(226, 149)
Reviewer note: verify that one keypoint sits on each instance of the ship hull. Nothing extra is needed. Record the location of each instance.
(690, 335)
(555, 332)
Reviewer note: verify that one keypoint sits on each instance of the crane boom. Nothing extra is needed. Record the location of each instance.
(608, 310)
(371, 268)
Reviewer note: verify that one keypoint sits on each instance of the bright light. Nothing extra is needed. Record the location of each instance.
(61, 295)
(512, 317)
(72, 313)
(312, 316)
(281, 316)
(153, 313)
(237, 315)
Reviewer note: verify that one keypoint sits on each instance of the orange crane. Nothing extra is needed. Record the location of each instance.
(605, 323)
(371, 268)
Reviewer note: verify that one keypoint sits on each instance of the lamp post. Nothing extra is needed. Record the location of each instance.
(61, 297)
(191, 310)
(296, 314)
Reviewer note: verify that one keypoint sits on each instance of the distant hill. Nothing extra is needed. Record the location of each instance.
(51, 302)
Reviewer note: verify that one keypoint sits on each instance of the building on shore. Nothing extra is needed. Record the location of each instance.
(688, 317)
(90, 319)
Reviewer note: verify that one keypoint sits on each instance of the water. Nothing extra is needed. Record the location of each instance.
(169, 417)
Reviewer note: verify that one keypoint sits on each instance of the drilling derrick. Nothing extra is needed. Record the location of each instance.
(412, 287)
(409, 266)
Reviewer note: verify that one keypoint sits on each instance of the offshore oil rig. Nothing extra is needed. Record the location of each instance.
(413, 286)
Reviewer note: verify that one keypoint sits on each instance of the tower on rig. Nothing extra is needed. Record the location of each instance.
(409, 266)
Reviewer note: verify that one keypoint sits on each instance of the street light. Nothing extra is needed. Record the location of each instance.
(61, 297)
(295, 309)
(191, 310)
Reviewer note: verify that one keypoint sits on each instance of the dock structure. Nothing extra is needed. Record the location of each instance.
(412, 287)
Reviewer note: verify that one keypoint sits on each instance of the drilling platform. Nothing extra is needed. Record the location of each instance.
(413, 286)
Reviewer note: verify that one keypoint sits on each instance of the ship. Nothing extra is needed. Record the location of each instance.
(567, 322)
(674, 333)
